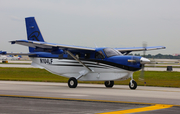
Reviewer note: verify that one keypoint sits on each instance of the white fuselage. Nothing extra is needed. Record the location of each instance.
(72, 68)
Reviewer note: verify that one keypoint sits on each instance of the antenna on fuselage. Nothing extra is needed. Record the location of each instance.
(95, 45)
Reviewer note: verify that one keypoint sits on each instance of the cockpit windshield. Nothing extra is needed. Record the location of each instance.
(111, 52)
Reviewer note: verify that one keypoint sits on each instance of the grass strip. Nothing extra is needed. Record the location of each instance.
(152, 78)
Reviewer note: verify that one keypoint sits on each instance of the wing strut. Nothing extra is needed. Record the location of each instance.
(78, 60)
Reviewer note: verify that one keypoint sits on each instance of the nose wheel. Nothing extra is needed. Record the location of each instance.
(132, 84)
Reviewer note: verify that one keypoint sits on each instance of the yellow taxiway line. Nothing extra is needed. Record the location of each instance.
(143, 109)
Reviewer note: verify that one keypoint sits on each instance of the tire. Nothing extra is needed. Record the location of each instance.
(133, 86)
(109, 84)
(72, 82)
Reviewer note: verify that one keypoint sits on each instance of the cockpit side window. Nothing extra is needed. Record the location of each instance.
(99, 55)
(111, 52)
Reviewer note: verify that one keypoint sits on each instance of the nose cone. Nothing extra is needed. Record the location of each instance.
(144, 60)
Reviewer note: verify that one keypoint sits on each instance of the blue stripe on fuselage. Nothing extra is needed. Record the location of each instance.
(115, 61)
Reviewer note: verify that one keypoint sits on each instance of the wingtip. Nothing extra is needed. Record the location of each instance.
(12, 42)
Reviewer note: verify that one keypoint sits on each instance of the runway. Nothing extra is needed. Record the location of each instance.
(121, 94)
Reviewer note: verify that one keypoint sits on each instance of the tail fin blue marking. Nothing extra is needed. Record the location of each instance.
(33, 32)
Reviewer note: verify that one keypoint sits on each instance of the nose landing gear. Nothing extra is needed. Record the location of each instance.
(132, 84)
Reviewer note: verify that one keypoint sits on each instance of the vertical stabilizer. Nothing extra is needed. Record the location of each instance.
(33, 32)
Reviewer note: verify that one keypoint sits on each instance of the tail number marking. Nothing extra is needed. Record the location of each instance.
(46, 61)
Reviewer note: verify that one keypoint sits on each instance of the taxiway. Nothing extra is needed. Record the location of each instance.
(95, 97)
(143, 94)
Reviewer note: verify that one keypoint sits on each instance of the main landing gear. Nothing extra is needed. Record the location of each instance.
(109, 84)
(132, 84)
(72, 82)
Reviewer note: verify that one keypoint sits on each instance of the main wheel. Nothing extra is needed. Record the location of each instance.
(72, 82)
(133, 85)
(109, 83)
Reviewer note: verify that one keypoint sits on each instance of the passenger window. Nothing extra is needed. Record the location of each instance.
(87, 56)
(78, 56)
(99, 55)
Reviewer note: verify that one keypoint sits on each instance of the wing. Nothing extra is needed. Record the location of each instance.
(128, 50)
(50, 46)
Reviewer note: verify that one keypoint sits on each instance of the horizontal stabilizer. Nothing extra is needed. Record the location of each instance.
(5, 53)
(20, 54)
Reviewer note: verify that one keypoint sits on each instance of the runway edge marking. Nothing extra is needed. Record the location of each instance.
(143, 109)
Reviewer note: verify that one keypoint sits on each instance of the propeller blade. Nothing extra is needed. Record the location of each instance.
(141, 77)
(143, 61)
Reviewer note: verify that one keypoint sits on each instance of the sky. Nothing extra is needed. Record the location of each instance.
(90, 23)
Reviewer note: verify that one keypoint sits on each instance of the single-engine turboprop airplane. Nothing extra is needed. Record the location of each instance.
(82, 63)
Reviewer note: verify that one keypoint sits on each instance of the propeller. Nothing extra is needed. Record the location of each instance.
(141, 77)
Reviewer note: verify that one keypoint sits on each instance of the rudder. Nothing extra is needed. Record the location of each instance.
(33, 32)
